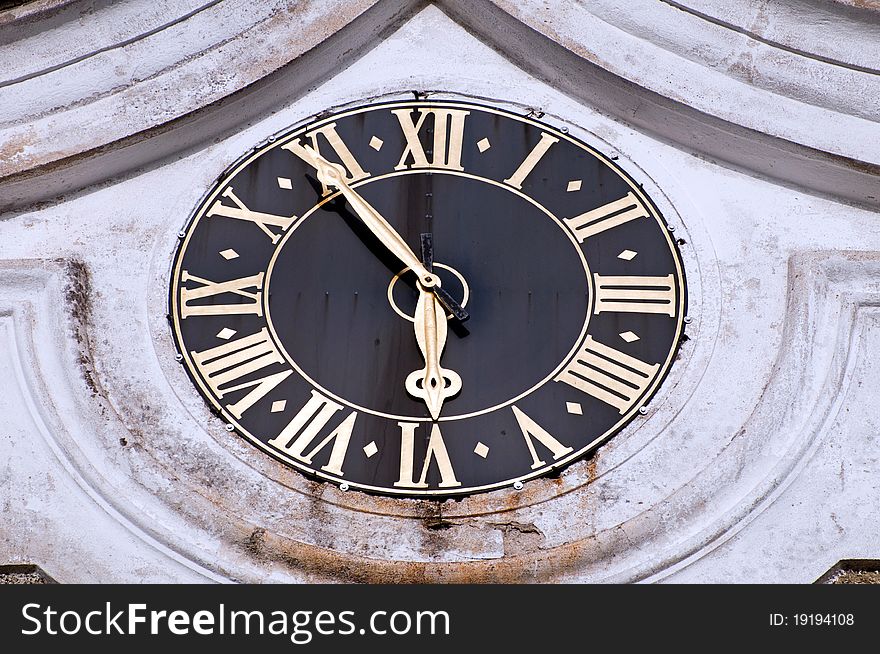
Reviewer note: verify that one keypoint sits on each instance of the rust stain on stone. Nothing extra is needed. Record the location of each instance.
(592, 463)
(323, 564)
(525, 558)
(861, 4)
(254, 542)
(12, 151)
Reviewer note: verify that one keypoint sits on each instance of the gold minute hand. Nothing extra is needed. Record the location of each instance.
(334, 175)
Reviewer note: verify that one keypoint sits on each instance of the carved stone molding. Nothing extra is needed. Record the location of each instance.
(735, 83)
(830, 296)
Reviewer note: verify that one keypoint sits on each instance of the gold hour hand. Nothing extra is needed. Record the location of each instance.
(433, 384)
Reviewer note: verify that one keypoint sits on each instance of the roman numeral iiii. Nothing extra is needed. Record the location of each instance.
(608, 375)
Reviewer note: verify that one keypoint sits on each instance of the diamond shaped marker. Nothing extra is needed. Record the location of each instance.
(370, 449)
(573, 185)
(279, 406)
(284, 182)
(229, 254)
(481, 450)
(629, 337)
(226, 333)
(627, 255)
(574, 408)
(483, 145)
(376, 143)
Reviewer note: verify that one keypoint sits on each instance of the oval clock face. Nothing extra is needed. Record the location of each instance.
(427, 298)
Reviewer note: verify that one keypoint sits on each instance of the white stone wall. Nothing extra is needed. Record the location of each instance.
(754, 125)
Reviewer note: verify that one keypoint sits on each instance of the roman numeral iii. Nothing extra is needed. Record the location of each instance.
(635, 294)
(608, 375)
(448, 125)
(224, 365)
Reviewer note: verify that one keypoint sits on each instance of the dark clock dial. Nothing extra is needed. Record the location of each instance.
(305, 298)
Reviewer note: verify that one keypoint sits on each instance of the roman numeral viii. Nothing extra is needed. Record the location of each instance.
(635, 294)
(307, 426)
(448, 125)
(224, 365)
(608, 375)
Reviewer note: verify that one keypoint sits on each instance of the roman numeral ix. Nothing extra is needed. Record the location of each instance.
(253, 299)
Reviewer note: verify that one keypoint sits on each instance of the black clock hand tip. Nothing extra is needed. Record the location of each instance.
(428, 251)
(451, 305)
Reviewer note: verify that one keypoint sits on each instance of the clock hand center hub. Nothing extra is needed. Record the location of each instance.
(403, 303)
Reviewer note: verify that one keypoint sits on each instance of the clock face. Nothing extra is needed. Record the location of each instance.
(315, 290)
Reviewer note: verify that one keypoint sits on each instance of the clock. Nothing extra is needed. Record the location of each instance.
(427, 298)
